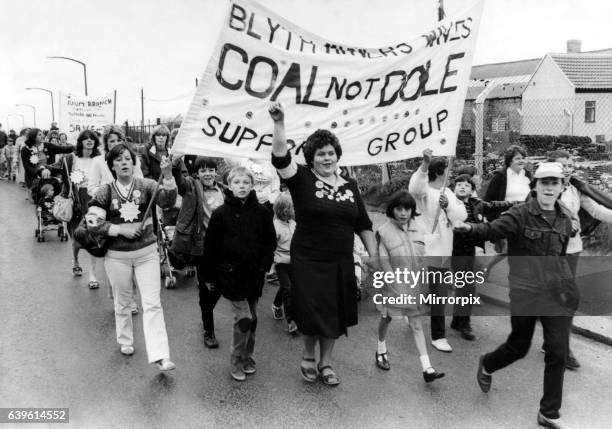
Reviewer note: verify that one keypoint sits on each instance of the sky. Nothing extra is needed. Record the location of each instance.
(162, 46)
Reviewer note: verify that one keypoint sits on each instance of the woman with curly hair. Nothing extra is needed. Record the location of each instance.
(328, 212)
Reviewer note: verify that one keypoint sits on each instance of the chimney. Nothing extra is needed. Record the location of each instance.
(574, 46)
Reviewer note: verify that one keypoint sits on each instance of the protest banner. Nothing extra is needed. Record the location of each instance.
(384, 104)
(80, 112)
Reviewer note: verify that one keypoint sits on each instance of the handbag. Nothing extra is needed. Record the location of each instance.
(94, 243)
(63, 208)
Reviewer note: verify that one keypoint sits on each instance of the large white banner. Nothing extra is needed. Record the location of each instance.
(384, 104)
(80, 112)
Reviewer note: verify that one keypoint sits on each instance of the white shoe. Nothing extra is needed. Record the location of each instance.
(127, 350)
(442, 345)
(165, 365)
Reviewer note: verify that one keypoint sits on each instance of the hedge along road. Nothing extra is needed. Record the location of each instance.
(59, 350)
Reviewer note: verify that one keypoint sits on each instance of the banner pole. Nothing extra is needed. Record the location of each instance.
(439, 209)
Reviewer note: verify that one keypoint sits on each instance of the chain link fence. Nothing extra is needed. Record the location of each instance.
(581, 125)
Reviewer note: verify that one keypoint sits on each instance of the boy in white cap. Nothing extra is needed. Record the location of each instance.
(541, 285)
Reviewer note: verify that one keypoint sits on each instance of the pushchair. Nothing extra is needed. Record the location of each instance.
(170, 263)
(41, 192)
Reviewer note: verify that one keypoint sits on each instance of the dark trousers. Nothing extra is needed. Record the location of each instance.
(462, 313)
(572, 259)
(208, 300)
(438, 328)
(283, 296)
(556, 337)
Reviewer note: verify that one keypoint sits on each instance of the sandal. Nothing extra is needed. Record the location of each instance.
(77, 271)
(382, 361)
(309, 373)
(331, 379)
(93, 284)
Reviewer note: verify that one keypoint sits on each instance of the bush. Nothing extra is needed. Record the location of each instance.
(378, 194)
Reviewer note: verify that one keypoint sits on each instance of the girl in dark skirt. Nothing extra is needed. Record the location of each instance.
(328, 212)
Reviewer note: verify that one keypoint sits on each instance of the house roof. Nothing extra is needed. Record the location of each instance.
(511, 68)
(501, 90)
(592, 71)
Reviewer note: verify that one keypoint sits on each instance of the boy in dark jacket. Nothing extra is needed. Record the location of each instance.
(238, 251)
(464, 248)
(541, 285)
(201, 196)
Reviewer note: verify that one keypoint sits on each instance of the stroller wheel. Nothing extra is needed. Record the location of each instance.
(60, 232)
(36, 232)
(170, 282)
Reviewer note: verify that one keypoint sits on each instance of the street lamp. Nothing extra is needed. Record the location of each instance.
(81, 63)
(33, 111)
(51, 93)
(22, 118)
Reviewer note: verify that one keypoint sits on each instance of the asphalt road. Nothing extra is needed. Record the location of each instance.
(58, 349)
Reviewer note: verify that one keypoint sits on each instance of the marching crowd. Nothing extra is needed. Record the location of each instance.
(303, 223)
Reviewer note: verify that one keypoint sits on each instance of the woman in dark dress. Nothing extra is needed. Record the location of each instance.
(328, 212)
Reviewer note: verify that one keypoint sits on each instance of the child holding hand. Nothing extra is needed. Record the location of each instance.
(401, 246)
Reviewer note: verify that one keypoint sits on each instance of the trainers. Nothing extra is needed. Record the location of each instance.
(277, 312)
(484, 380)
(210, 341)
(237, 373)
(551, 423)
(248, 366)
(292, 328)
(442, 345)
(127, 350)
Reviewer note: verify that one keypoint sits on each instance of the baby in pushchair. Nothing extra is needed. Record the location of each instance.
(46, 190)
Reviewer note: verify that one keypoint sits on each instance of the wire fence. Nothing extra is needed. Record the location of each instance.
(581, 125)
(141, 134)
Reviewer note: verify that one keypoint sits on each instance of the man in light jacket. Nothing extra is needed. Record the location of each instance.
(433, 198)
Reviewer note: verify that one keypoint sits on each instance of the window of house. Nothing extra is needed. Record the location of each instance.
(589, 111)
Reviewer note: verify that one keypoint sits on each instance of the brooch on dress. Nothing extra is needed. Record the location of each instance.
(77, 177)
(333, 194)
